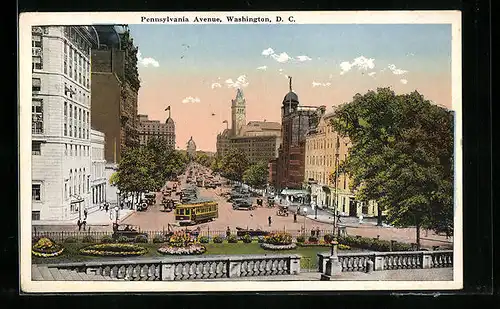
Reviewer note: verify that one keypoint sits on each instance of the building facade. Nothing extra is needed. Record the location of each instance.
(259, 140)
(191, 149)
(150, 129)
(296, 121)
(98, 180)
(115, 86)
(61, 141)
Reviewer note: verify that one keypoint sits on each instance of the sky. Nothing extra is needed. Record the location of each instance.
(196, 69)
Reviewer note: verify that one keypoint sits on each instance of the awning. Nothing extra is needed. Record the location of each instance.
(294, 192)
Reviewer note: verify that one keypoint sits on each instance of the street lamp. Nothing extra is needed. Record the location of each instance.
(305, 216)
(117, 209)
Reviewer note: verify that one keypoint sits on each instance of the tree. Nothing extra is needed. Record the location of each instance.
(233, 164)
(401, 157)
(256, 175)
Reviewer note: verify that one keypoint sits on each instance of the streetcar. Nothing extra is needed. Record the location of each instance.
(195, 212)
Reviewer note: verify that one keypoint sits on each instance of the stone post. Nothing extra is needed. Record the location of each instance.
(379, 263)
(167, 272)
(234, 269)
(294, 265)
(426, 260)
(333, 266)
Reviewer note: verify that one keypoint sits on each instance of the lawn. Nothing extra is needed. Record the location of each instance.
(71, 253)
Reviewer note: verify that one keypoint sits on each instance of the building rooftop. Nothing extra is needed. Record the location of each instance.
(291, 97)
(263, 125)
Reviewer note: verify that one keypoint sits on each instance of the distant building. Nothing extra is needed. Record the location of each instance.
(98, 180)
(60, 127)
(191, 148)
(115, 86)
(296, 121)
(149, 129)
(259, 140)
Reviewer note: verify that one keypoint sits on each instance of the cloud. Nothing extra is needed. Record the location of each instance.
(361, 62)
(146, 62)
(303, 58)
(395, 70)
(216, 85)
(268, 52)
(191, 100)
(372, 74)
(403, 81)
(316, 84)
(283, 57)
(241, 82)
(262, 68)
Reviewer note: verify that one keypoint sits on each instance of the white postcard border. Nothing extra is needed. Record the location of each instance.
(27, 20)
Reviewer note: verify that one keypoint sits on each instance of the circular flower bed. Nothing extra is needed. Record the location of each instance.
(182, 243)
(113, 250)
(278, 241)
(189, 250)
(45, 247)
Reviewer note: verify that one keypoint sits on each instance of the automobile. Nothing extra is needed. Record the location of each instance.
(126, 230)
(243, 204)
(143, 205)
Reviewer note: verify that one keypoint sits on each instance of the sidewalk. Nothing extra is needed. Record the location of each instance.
(95, 217)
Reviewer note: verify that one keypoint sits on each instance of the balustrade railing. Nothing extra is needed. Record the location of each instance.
(389, 260)
(176, 269)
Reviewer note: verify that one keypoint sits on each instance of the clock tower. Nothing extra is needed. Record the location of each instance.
(238, 113)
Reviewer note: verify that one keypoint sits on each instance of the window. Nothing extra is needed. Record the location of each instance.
(37, 116)
(65, 191)
(35, 215)
(188, 212)
(36, 84)
(36, 63)
(36, 192)
(36, 148)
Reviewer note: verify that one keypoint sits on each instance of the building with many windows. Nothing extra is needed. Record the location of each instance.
(191, 149)
(149, 129)
(115, 86)
(259, 140)
(98, 180)
(61, 142)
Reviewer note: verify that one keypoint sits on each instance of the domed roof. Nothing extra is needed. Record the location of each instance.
(191, 143)
(170, 121)
(291, 97)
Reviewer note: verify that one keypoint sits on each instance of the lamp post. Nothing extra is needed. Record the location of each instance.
(117, 209)
(305, 216)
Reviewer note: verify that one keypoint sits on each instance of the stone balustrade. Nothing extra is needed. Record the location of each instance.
(389, 260)
(190, 268)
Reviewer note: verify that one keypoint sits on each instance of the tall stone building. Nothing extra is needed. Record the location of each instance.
(61, 140)
(259, 140)
(98, 179)
(115, 86)
(296, 121)
(325, 150)
(149, 129)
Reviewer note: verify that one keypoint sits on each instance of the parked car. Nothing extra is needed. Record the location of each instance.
(126, 230)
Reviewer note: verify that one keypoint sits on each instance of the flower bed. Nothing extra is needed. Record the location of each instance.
(113, 250)
(192, 249)
(182, 243)
(323, 244)
(278, 241)
(45, 247)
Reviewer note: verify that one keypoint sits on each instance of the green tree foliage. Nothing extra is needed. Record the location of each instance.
(216, 164)
(204, 159)
(114, 179)
(256, 175)
(233, 164)
(401, 157)
(147, 168)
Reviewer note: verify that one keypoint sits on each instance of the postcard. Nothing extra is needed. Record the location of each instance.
(240, 151)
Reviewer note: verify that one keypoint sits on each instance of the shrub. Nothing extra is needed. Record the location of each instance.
(313, 239)
(180, 239)
(141, 239)
(301, 238)
(158, 239)
(88, 239)
(106, 239)
(204, 239)
(279, 238)
(247, 239)
(71, 239)
(122, 239)
(217, 240)
(46, 247)
(232, 239)
(328, 238)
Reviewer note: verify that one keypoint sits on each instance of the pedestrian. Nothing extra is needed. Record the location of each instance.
(317, 232)
(79, 223)
(228, 232)
(85, 213)
(84, 224)
(121, 205)
(269, 220)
